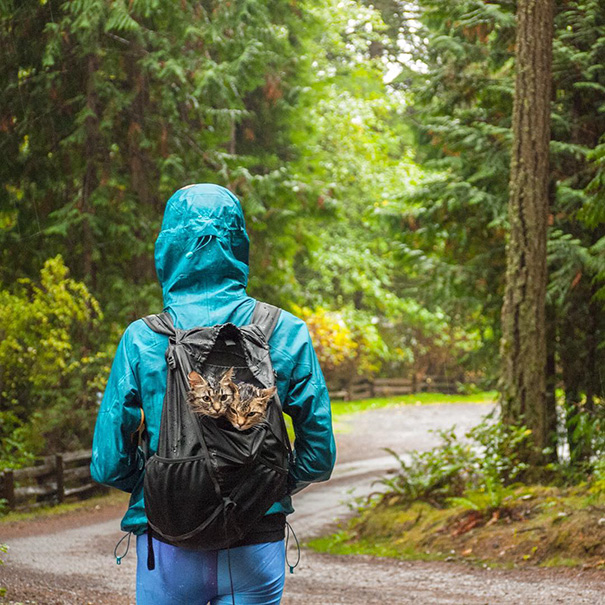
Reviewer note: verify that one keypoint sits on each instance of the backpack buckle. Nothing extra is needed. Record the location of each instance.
(170, 357)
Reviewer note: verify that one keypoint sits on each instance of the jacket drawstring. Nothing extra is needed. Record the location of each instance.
(292, 567)
(115, 550)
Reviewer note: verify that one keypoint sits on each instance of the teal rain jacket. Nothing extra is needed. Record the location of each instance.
(201, 258)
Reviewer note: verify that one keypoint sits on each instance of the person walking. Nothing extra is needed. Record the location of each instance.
(201, 257)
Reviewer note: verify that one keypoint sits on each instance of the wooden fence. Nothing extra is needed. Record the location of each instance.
(53, 480)
(363, 388)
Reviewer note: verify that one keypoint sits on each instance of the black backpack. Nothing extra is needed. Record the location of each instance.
(209, 483)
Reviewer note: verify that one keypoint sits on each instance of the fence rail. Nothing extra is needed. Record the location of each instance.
(362, 388)
(51, 481)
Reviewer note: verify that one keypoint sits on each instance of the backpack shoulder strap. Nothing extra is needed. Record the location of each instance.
(161, 323)
(265, 316)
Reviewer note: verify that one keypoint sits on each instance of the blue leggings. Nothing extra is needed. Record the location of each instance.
(193, 577)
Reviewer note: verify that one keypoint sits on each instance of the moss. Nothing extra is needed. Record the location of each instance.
(558, 561)
(538, 525)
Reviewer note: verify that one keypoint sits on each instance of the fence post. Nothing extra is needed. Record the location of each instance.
(59, 467)
(9, 488)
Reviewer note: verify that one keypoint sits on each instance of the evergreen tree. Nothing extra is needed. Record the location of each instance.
(457, 75)
(107, 108)
(523, 378)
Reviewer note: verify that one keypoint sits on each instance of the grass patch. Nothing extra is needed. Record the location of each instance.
(341, 543)
(114, 497)
(344, 408)
(536, 525)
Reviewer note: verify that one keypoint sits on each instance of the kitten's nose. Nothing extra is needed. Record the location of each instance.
(216, 407)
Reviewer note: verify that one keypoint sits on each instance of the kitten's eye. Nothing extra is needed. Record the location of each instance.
(224, 397)
(206, 398)
(252, 414)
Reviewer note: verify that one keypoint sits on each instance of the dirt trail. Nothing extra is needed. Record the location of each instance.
(70, 562)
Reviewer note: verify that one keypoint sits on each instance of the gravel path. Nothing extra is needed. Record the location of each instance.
(367, 580)
(70, 561)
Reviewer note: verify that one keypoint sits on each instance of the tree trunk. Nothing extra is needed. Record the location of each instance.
(523, 347)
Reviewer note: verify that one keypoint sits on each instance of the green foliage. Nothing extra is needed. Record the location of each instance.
(346, 345)
(108, 108)
(358, 153)
(50, 377)
(597, 484)
(353, 155)
(287, 107)
(499, 446)
(480, 471)
(19, 442)
(474, 472)
(432, 476)
(584, 427)
(448, 228)
(3, 550)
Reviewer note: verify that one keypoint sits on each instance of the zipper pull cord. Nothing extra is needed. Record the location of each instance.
(115, 550)
(292, 567)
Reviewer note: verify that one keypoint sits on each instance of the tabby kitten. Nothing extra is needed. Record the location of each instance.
(250, 407)
(212, 399)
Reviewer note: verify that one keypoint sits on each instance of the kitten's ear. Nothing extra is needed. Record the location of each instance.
(227, 376)
(195, 380)
(266, 394)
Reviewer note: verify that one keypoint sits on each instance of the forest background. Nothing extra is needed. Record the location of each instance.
(370, 146)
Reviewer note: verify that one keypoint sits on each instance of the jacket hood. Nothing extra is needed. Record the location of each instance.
(202, 248)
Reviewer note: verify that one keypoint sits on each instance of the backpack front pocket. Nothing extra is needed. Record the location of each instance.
(178, 501)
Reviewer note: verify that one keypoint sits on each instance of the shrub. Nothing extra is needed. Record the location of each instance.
(433, 476)
(347, 343)
(475, 471)
(49, 379)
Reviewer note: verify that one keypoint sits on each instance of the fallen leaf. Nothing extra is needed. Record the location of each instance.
(494, 518)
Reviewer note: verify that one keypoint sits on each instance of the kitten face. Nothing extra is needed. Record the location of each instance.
(250, 407)
(212, 399)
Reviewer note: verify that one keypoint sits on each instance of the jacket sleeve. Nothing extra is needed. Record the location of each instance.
(116, 459)
(308, 403)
